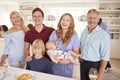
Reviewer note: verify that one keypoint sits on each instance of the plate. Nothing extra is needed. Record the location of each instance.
(25, 76)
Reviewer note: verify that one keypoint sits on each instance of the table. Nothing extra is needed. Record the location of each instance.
(12, 72)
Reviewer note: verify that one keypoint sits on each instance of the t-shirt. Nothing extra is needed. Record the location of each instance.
(32, 35)
(41, 65)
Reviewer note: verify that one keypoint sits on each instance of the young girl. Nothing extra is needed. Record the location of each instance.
(39, 62)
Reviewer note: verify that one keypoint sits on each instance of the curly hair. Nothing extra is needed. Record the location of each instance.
(69, 33)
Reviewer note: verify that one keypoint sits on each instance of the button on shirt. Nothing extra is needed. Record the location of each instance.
(95, 46)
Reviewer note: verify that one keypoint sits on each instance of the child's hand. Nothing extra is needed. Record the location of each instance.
(28, 58)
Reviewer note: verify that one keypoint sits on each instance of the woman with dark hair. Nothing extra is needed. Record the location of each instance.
(103, 26)
(4, 29)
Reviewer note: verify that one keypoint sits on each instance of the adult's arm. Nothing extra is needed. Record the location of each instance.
(105, 55)
(27, 51)
(103, 64)
(65, 61)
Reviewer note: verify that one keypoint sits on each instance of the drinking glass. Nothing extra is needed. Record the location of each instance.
(93, 74)
(6, 65)
(3, 70)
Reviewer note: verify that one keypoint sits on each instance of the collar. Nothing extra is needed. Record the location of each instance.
(94, 30)
(43, 29)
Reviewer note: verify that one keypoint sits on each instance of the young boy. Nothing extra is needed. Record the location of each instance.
(39, 62)
(56, 54)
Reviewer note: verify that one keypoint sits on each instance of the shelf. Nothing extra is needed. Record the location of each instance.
(110, 13)
(108, 10)
(115, 32)
(109, 1)
(114, 25)
(113, 18)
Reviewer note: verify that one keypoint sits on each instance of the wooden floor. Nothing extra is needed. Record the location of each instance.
(113, 74)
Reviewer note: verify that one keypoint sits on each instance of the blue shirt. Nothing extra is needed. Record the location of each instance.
(74, 42)
(65, 70)
(14, 46)
(95, 46)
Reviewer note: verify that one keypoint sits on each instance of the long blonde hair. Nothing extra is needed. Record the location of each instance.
(38, 43)
(69, 33)
(23, 27)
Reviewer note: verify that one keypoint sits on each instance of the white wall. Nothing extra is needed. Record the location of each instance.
(75, 10)
(115, 49)
(5, 10)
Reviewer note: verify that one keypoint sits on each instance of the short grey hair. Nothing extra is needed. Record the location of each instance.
(93, 11)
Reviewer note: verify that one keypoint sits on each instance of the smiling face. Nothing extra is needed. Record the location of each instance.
(65, 28)
(16, 18)
(65, 22)
(37, 18)
(93, 19)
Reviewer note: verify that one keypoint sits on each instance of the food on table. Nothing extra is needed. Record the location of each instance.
(25, 76)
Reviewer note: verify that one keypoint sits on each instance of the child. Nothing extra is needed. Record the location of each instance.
(56, 54)
(39, 62)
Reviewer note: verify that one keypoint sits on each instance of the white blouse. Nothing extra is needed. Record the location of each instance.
(14, 46)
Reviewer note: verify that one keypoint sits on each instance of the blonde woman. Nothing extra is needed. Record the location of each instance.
(39, 62)
(14, 41)
(66, 39)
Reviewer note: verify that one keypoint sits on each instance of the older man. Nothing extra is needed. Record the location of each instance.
(95, 47)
